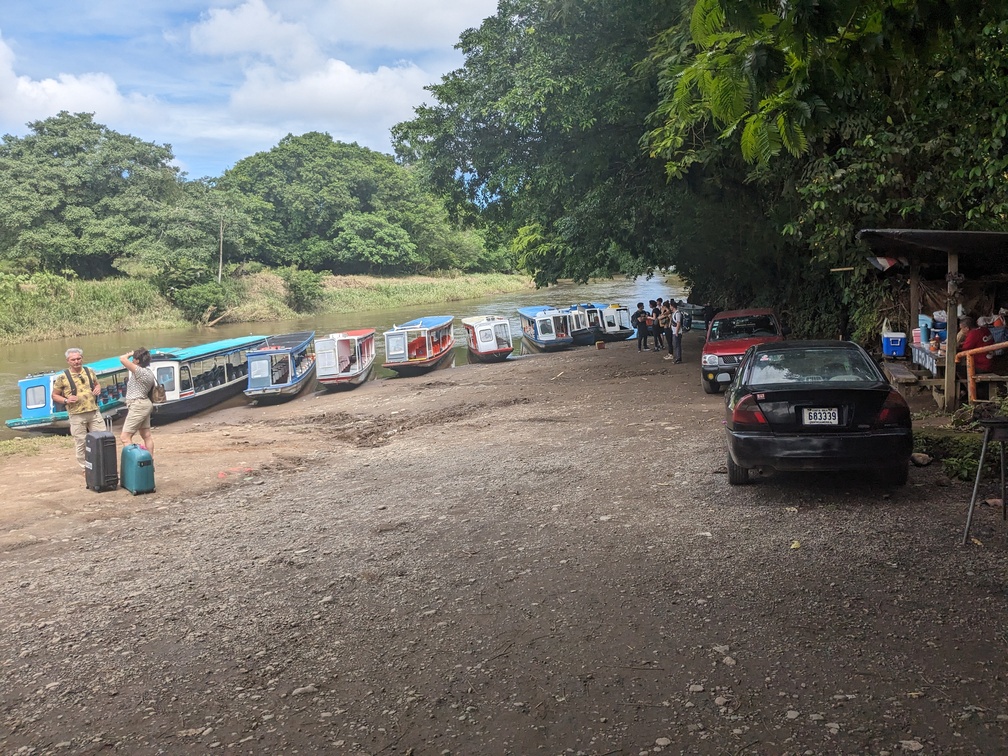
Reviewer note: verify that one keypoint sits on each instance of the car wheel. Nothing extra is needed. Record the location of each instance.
(737, 476)
(710, 387)
(896, 476)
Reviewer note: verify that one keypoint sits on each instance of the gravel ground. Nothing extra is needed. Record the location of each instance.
(539, 556)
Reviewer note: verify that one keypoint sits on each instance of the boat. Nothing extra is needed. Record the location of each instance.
(281, 367)
(198, 377)
(40, 415)
(545, 329)
(580, 332)
(615, 322)
(419, 346)
(345, 359)
(488, 338)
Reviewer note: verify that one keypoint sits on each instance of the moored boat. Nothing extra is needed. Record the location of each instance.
(198, 377)
(281, 367)
(580, 331)
(419, 346)
(545, 329)
(40, 415)
(615, 322)
(345, 359)
(488, 338)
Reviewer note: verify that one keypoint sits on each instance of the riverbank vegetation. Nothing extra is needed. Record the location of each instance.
(47, 306)
(743, 143)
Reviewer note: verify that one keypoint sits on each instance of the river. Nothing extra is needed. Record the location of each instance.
(41, 356)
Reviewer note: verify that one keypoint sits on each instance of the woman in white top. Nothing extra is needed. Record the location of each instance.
(138, 402)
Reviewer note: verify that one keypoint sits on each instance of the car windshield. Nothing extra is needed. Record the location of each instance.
(742, 327)
(812, 365)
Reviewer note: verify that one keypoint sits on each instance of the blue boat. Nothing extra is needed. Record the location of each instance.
(199, 377)
(545, 329)
(421, 345)
(282, 367)
(39, 415)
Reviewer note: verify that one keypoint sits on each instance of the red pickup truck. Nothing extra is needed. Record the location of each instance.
(729, 334)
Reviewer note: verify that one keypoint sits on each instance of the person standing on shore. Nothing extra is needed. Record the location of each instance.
(639, 321)
(675, 334)
(656, 329)
(138, 401)
(77, 389)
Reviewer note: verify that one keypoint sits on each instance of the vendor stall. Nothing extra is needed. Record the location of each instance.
(962, 257)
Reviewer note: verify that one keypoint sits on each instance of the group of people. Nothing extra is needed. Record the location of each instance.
(979, 332)
(664, 323)
(78, 390)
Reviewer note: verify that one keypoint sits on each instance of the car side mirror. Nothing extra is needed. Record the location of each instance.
(785, 330)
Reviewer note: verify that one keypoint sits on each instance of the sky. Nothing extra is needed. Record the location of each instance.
(219, 80)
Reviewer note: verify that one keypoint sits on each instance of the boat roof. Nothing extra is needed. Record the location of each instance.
(206, 350)
(535, 312)
(286, 341)
(426, 322)
(353, 334)
(477, 319)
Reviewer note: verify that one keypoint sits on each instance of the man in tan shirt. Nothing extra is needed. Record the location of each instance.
(80, 400)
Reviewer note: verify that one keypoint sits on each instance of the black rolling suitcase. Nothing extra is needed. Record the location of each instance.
(100, 472)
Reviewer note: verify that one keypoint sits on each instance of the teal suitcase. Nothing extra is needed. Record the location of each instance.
(136, 469)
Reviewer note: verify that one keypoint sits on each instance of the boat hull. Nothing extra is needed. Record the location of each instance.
(621, 335)
(177, 409)
(285, 393)
(546, 346)
(585, 338)
(345, 382)
(418, 367)
(497, 355)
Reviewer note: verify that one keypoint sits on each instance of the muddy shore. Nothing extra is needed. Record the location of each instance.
(539, 556)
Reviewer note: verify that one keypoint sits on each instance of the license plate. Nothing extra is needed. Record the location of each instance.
(820, 416)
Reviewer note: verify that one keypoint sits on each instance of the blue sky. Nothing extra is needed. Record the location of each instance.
(222, 79)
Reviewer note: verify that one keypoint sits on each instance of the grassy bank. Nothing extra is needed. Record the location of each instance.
(50, 307)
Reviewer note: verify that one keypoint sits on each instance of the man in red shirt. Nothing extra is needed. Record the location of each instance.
(976, 336)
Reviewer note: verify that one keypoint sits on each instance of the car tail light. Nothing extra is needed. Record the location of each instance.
(894, 413)
(747, 414)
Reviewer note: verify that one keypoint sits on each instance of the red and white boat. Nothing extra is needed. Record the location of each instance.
(345, 359)
(488, 338)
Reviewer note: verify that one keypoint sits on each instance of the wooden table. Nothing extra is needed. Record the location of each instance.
(934, 362)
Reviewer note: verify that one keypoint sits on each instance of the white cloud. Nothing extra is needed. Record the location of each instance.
(24, 99)
(222, 79)
(252, 29)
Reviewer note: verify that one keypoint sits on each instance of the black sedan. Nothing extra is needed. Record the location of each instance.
(815, 405)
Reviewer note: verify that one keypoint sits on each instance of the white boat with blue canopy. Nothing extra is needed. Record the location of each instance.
(40, 415)
(420, 345)
(545, 329)
(282, 367)
(198, 377)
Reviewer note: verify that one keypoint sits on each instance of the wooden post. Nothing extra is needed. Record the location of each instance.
(952, 324)
(915, 303)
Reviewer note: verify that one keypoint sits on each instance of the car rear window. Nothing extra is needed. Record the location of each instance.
(743, 327)
(812, 365)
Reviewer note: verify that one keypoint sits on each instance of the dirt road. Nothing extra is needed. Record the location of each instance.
(538, 556)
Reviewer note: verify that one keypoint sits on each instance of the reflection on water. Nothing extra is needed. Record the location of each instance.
(22, 359)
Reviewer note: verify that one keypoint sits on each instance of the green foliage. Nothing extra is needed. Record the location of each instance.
(45, 305)
(205, 301)
(304, 288)
(957, 451)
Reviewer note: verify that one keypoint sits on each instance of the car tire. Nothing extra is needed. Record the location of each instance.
(737, 476)
(896, 476)
(710, 387)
